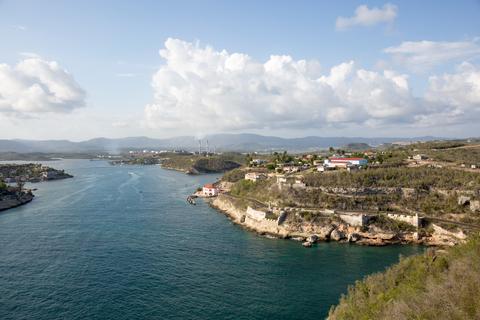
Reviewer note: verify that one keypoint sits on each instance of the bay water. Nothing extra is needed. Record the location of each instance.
(121, 242)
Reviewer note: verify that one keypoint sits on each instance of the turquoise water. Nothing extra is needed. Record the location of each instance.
(122, 243)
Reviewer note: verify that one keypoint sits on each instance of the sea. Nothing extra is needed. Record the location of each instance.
(121, 242)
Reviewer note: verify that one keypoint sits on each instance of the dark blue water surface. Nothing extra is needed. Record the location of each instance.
(120, 242)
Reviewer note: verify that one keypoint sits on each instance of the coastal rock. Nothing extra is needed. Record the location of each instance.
(325, 232)
(442, 237)
(337, 235)
(298, 239)
(353, 237)
(307, 244)
(312, 238)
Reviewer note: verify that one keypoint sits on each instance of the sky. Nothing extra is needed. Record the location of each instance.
(83, 69)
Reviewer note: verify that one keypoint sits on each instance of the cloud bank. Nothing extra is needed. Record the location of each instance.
(368, 17)
(423, 55)
(204, 90)
(35, 86)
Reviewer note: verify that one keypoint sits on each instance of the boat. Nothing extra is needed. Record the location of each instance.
(191, 200)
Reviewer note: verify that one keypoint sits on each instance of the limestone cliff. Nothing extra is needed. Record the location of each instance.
(328, 228)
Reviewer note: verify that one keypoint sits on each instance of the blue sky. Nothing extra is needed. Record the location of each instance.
(111, 52)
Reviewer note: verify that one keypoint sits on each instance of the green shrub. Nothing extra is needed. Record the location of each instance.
(428, 286)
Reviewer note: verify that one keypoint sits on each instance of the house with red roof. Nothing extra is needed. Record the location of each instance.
(335, 162)
(209, 190)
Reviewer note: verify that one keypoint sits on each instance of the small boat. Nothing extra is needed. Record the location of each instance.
(191, 200)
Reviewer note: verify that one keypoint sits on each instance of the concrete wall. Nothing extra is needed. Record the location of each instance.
(256, 214)
(357, 220)
(265, 225)
(415, 220)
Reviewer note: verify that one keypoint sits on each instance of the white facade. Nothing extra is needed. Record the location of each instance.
(210, 191)
(255, 176)
(344, 162)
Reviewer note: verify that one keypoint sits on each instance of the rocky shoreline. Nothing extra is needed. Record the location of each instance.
(330, 230)
(16, 201)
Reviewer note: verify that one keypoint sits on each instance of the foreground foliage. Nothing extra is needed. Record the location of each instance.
(429, 286)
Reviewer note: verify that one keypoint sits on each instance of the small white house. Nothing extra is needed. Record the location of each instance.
(255, 176)
(209, 190)
(258, 161)
(419, 157)
(291, 169)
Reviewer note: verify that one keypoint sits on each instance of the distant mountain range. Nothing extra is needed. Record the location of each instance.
(220, 142)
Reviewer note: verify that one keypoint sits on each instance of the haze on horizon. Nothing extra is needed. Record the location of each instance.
(78, 70)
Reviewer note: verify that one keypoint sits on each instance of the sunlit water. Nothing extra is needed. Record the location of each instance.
(121, 242)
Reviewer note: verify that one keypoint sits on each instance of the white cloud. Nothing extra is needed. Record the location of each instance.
(368, 17)
(20, 27)
(30, 55)
(125, 75)
(36, 86)
(423, 55)
(455, 97)
(204, 90)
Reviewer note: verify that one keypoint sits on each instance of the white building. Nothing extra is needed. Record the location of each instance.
(255, 176)
(290, 169)
(258, 161)
(344, 162)
(419, 157)
(209, 190)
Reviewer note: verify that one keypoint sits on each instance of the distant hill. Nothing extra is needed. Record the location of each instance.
(357, 146)
(220, 142)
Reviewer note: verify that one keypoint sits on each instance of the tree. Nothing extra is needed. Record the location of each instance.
(248, 159)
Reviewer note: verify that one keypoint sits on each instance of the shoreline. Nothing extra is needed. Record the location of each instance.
(309, 233)
(14, 203)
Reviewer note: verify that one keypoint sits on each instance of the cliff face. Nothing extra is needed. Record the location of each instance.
(329, 228)
(14, 200)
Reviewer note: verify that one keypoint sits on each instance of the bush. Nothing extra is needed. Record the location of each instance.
(427, 286)
(419, 178)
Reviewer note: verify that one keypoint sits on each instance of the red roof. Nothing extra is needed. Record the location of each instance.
(346, 159)
(209, 186)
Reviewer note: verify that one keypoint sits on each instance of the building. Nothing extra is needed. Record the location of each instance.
(209, 190)
(49, 175)
(344, 162)
(290, 169)
(255, 176)
(258, 162)
(419, 157)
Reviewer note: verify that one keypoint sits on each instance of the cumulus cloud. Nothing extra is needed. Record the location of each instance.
(423, 55)
(206, 90)
(455, 97)
(365, 16)
(35, 86)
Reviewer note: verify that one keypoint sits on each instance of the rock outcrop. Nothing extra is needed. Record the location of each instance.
(310, 232)
(337, 235)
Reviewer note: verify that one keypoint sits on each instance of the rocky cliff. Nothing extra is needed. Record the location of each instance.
(327, 228)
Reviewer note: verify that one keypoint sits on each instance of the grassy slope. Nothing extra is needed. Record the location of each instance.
(429, 286)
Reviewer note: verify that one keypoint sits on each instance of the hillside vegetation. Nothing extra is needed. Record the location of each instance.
(420, 178)
(442, 285)
(202, 164)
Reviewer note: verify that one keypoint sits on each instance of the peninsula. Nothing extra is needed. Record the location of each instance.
(183, 161)
(14, 176)
(425, 193)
